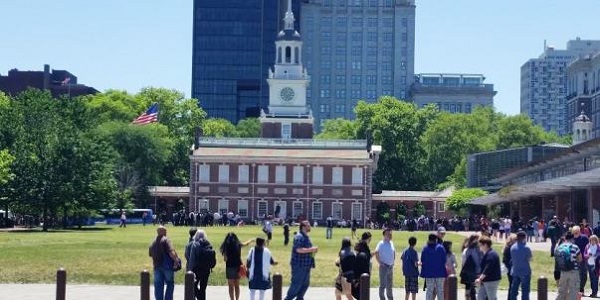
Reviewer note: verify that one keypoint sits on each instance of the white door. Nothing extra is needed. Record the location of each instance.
(281, 206)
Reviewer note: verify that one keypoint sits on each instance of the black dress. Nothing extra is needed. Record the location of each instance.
(258, 282)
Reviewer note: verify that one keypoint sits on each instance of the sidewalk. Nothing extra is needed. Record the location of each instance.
(101, 292)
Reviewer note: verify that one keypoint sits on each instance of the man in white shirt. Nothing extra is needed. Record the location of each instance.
(385, 253)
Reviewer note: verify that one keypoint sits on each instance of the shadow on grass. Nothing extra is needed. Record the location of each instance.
(54, 230)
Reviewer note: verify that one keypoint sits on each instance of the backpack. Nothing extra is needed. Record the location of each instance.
(206, 258)
(563, 258)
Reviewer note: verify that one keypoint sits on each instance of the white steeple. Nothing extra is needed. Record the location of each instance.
(289, 17)
(582, 128)
(288, 79)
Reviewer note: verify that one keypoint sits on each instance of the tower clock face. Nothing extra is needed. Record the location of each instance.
(287, 94)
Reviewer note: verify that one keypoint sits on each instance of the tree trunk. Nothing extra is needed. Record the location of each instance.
(45, 218)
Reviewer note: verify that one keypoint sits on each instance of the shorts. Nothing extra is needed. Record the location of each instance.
(269, 235)
(346, 288)
(232, 272)
(411, 284)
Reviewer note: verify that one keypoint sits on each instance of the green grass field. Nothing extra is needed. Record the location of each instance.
(115, 256)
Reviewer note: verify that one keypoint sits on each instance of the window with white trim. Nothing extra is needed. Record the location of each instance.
(337, 176)
(243, 173)
(223, 207)
(336, 210)
(297, 209)
(280, 174)
(202, 205)
(262, 208)
(317, 210)
(286, 131)
(357, 211)
(204, 173)
(263, 174)
(441, 206)
(223, 173)
(317, 175)
(357, 176)
(242, 208)
(298, 174)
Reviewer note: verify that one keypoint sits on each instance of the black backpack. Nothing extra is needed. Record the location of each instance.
(206, 257)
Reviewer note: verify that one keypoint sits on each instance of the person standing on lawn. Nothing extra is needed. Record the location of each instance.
(568, 258)
(302, 261)
(410, 269)
(202, 261)
(581, 240)
(433, 267)
(520, 270)
(329, 230)
(385, 253)
(159, 249)
(490, 271)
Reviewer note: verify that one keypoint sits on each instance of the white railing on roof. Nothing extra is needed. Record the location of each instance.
(261, 142)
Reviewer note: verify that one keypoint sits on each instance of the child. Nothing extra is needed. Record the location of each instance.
(450, 265)
(410, 269)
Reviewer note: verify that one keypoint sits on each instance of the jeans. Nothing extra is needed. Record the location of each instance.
(525, 282)
(300, 283)
(593, 279)
(161, 277)
(567, 285)
(583, 272)
(552, 245)
(434, 284)
(386, 281)
(329, 233)
(488, 289)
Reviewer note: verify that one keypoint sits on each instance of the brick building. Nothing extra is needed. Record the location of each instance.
(283, 178)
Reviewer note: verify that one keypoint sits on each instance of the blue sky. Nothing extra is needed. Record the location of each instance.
(131, 44)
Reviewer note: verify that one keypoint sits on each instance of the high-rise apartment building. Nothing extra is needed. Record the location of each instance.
(356, 50)
(231, 54)
(456, 93)
(544, 84)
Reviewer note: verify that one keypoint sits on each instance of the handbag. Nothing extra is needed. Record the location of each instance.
(243, 271)
(170, 264)
(338, 282)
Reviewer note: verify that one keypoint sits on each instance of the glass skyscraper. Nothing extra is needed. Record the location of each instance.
(356, 50)
(232, 52)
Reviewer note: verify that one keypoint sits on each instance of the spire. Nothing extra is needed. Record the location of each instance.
(289, 17)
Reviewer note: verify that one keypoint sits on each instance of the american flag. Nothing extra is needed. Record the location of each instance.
(66, 81)
(150, 116)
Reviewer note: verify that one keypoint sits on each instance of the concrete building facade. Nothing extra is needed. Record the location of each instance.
(456, 93)
(544, 84)
(356, 50)
(583, 93)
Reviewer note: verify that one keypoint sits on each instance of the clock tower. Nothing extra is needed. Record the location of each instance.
(288, 116)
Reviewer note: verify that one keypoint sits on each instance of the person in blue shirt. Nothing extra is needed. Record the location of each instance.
(520, 270)
(433, 267)
(410, 269)
(490, 271)
(302, 262)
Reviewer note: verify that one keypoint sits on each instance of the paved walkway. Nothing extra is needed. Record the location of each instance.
(102, 292)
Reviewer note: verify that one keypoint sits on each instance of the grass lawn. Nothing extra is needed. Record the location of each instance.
(111, 255)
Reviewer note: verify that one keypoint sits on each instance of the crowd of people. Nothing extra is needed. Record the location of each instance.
(575, 249)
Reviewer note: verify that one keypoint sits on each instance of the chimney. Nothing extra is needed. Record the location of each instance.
(46, 77)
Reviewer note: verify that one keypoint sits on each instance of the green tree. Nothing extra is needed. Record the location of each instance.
(218, 128)
(383, 212)
(5, 162)
(338, 129)
(248, 128)
(419, 209)
(397, 126)
(461, 198)
(401, 210)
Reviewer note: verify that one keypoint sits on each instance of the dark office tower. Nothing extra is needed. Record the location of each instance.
(232, 52)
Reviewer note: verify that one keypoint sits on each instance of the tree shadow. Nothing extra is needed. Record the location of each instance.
(53, 230)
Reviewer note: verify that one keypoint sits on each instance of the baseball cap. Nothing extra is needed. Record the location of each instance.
(441, 229)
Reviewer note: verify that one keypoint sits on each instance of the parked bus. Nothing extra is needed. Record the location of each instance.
(134, 216)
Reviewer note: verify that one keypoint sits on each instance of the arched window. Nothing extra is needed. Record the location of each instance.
(584, 134)
(578, 135)
(297, 55)
(279, 54)
(288, 55)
